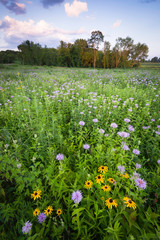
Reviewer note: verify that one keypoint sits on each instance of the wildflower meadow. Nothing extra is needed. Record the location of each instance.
(79, 154)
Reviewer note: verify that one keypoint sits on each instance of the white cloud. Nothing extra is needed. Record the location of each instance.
(117, 23)
(15, 30)
(74, 9)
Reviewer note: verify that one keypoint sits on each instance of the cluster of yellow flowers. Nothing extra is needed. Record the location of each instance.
(37, 194)
(100, 179)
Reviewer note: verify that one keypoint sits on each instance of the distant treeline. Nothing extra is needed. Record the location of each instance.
(82, 53)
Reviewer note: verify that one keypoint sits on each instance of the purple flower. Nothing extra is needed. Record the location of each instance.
(136, 151)
(125, 147)
(158, 126)
(121, 168)
(123, 134)
(157, 132)
(86, 146)
(127, 120)
(140, 183)
(136, 175)
(101, 131)
(60, 156)
(41, 217)
(131, 128)
(95, 120)
(114, 125)
(81, 123)
(138, 165)
(77, 196)
(158, 161)
(27, 227)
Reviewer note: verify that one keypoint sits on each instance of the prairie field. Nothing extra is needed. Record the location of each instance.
(79, 153)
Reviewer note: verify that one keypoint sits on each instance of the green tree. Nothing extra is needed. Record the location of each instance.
(96, 38)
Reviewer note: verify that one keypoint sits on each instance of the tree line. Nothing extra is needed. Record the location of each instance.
(81, 53)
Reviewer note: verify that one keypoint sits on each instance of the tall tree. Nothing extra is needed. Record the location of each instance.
(139, 53)
(107, 46)
(96, 38)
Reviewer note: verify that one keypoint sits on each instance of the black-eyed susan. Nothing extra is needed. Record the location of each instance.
(36, 194)
(111, 180)
(100, 179)
(49, 210)
(106, 188)
(36, 212)
(129, 203)
(125, 175)
(103, 169)
(111, 203)
(88, 184)
(59, 211)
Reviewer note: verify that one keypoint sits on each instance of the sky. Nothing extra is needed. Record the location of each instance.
(48, 21)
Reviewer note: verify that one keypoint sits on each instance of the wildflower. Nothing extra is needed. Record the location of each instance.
(106, 188)
(140, 183)
(127, 120)
(49, 210)
(41, 217)
(129, 203)
(123, 134)
(103, 169)
(136, 151)
(95, 120)
(59, 211)
(36, 194)
(19, 165)
(27, 227)
(88, 184)
(158, 161)
(101, 131)
(125, 175)
(125, 147)
(81, 123)
(136, 175)
(86, 146)
(77, 196)
(131, 128)
(111, 203)
(36, 212)
(114, 125)
(100, 179)
(138, 165)
(121, 168)
(111, 180)
(60, 157)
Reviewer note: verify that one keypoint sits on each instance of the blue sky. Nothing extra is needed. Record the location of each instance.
(49, 21)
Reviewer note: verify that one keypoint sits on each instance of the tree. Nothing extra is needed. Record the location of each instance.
(96, 38)
(139, 53)
(107, 46)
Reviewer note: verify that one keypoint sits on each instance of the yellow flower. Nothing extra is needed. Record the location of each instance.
(36, 194)
(49, 210)
(36, 212)
(103, 169)
(111, 180)
(88, 184)
(102, 198)
(59, 211)
(129, 203)
(18, 73)
(100, 179)
(106, 188)
(125, 175)
(111, 203)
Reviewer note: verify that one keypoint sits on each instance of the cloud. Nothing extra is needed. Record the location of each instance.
(48, 3)
(74, 9)
(117, 23)
(13, 6)
(16, 31)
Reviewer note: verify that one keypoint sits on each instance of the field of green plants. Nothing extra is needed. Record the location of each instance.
(79, 154)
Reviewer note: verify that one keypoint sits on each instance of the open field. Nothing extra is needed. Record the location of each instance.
(79, 153)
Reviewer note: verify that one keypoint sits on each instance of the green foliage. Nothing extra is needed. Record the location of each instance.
(40, 116)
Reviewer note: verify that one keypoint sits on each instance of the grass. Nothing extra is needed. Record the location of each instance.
(47, 111)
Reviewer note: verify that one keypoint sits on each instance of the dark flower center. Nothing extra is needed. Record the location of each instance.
(99, 177)
(106, 187)
(88, 183)
(111, 200)
(102, 167)
(129, 201)
(35, 193)
(48, 210)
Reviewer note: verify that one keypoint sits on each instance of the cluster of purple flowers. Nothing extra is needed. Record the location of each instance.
(81, 123)
(114, 125)
(41, 217)
(136, 151)
(27, 227)
(60, 157)
(86, 146)
(123, 134)
(121, 168)
(77, 196)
